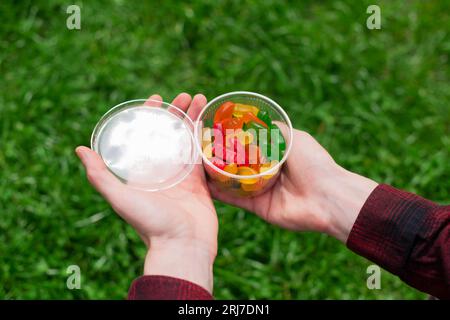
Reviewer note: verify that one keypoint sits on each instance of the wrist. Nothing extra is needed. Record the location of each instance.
(184, 259)
(344, 197)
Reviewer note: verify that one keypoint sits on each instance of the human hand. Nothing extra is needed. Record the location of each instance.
(313, 193)
(179, 225)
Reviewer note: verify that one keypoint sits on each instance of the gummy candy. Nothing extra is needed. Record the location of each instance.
(244, 143)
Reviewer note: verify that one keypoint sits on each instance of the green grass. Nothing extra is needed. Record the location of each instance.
(378, 100)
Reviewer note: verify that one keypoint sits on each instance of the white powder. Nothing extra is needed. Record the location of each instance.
(146, 146)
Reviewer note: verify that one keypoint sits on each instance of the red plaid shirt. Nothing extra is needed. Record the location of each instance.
(402, 232)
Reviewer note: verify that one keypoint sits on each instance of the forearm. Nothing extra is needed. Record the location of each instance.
(408, 236)
(344, 195)
(184, 260)
(175, 270)
(402, 232)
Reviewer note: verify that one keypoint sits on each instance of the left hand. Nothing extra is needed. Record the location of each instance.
(179, 225)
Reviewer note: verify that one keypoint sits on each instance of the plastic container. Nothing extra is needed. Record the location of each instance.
(243, 185)
(147, 144)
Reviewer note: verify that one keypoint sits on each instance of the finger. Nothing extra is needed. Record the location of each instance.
(98, 175)
(182, 101)
(216, 193)
(283, 128)
(153, 101)
(198, 103)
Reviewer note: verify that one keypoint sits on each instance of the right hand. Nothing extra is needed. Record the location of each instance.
(179, 225)
(312, 193)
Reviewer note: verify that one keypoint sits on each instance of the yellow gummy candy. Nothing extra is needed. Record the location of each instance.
(267, 166)
(231, 168)
(207, 150)
(240, 109)
(252, 187)
(247, 171)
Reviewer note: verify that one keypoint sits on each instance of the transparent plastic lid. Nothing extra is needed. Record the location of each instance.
(147, 144)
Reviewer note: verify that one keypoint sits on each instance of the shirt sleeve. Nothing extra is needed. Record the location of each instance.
(406, 235)
(166, 288)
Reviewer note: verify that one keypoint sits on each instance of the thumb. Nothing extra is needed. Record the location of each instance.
(98, 175)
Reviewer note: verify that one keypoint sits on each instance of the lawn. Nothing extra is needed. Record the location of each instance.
(378, 100)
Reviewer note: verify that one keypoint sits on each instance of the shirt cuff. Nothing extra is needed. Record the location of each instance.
(166, 288)
(386, 228)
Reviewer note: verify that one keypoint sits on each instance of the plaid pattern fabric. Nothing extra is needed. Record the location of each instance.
(166, 288)
(402, 232)
(408, 236)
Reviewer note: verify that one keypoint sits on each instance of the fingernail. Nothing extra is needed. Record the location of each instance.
(200, 97)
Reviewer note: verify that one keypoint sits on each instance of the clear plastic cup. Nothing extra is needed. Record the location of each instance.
(236, 184)
(147, 144)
